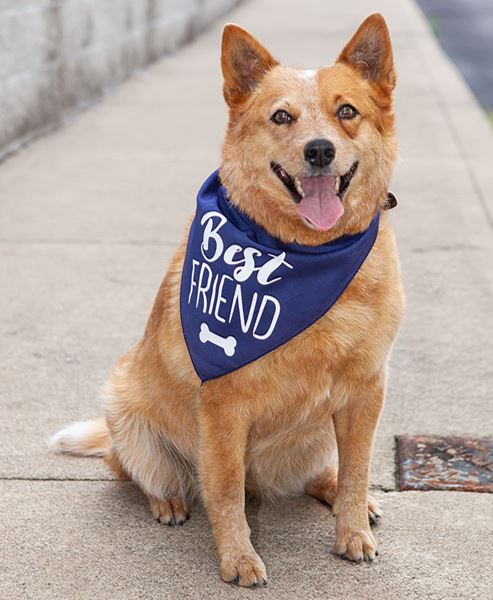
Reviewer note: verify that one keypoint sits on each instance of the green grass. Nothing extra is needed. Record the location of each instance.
(489, 114)
(434, 24)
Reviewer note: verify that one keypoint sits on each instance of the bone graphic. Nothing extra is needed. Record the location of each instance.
(228, 344)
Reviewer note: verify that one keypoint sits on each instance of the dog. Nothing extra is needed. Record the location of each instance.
(206, 405)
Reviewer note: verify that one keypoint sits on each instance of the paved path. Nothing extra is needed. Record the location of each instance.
(89, 217)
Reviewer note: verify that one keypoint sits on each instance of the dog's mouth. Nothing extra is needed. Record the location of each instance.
(318, 198)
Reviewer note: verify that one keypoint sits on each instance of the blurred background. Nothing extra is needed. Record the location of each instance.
(464, 29)
(60, 56)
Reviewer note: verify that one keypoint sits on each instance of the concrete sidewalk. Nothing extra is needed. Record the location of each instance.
(89, 218)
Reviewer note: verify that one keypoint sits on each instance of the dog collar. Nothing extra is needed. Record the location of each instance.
(245, 293)
(390, 202)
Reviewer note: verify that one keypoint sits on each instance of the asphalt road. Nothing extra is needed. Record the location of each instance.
(465, 30)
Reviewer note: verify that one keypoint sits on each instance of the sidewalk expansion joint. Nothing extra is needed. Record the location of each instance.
(19, 478)
(88, 243)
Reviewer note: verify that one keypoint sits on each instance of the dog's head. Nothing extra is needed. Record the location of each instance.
(308, 154)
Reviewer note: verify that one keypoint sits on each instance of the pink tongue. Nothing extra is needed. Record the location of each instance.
(320, 205)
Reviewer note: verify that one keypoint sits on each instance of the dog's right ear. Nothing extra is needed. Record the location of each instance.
(244, 62)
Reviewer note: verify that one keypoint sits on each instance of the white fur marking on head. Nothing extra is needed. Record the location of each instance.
(306, 74)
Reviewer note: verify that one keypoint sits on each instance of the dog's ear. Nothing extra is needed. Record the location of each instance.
(370, 52)
(244, 62)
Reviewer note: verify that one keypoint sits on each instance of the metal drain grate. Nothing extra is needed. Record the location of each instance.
(427, 462)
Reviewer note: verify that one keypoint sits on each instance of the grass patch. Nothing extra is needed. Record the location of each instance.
(489, 114)
(434, 24)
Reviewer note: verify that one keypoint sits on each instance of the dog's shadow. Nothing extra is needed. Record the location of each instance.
(282, 532)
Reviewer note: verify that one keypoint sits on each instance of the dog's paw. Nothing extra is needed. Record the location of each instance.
(356, 546)
(170, 512)
(245, 570)
(374, 511)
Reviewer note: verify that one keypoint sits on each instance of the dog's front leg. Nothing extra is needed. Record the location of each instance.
(355, 426)
(223, 438)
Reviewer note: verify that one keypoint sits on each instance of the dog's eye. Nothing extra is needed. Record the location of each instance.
(281, 117)
(346, 111)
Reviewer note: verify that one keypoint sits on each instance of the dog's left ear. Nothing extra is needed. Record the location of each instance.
(370, 52)
(244, 62)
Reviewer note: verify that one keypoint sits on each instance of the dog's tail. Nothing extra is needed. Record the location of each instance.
(83, 438)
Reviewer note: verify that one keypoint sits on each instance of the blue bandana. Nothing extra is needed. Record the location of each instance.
(244, 293)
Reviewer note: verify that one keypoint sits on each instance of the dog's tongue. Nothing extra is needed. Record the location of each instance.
(320, 205)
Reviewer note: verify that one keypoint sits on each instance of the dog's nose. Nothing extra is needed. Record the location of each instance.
(320, 153)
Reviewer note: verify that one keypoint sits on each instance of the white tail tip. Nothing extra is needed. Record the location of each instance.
(83, 438)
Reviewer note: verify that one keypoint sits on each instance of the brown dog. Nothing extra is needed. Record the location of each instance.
(302, 417)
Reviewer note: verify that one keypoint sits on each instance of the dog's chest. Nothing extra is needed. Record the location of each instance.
(342, 336)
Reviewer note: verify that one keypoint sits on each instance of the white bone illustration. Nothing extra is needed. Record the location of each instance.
(228, 344)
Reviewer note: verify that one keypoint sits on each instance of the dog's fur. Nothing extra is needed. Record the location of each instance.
(301, 418)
